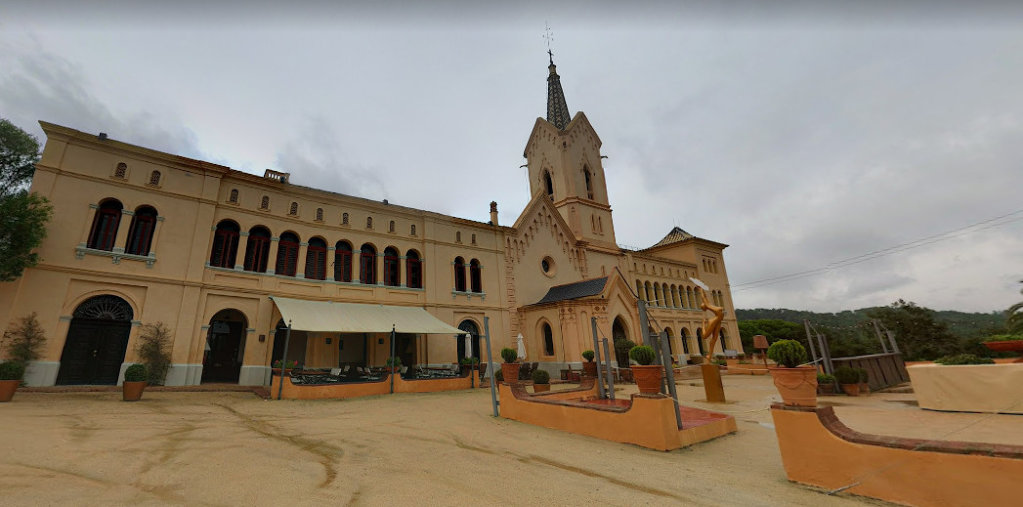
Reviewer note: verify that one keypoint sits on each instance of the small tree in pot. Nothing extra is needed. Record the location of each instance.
(849, 379)
(825, 383)
(589, 367)
(510, 368)
(647, 375)
(541, 381)
(11, 373)
(134, 382)
(796, 384)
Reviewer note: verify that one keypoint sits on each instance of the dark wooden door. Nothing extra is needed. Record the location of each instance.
(93, 352)
(222, 362)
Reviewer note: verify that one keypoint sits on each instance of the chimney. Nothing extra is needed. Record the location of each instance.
(493, 212)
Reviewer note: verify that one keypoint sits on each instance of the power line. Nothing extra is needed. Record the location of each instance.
(850, 261)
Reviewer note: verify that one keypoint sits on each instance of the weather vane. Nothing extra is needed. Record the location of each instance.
(549, 36)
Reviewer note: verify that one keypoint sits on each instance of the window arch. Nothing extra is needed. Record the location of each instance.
(319, 214)
(225, 244)
(343, 261)
(293, 209)
(475, 276)
(264, 203)
(413, 270)
(459, 274)
(316, 259)
(392, 267)
(233, 197)
(154, 178)
(548, 339)
(368, 264)
(548, 184)
(104, 225)
(589, 183)
(287, 255)
(140, 235)
(257, 249)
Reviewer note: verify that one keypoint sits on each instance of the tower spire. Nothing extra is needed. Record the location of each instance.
(557, 108)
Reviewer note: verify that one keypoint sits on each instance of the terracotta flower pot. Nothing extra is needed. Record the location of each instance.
(851, 389)
(864, 388)
(132, 391)
(648, 378)
(7, 388)
(797, 386)
(589, 369)
(828, 388)
(510, 372)
(541, 388)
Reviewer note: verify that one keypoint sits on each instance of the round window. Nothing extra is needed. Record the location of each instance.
(548, 267)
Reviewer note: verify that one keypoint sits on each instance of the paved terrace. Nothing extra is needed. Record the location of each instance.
(232, 448)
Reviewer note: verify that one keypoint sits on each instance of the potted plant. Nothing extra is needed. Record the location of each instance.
(647, 375)
(796, 384)
(288, 366)
(864, 381)
(849, 379)
(510, 368)
(11, 373)
(541, 381)
(468, 364)
(393, 364)
(134, 382)
(589, 367)
(825, 383)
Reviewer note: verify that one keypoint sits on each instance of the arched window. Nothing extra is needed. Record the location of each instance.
(699, 340)
(344, 219)
(257, 249)
(264, 203)
(666, 295)
(293, 209)
(459, 274)
(658, 301)
(548, 184)
(589, 184)
(689, 297)
(343, 261)
(674, 296)
(316, 259)
(287, 255)
(121, 171)
(392, 267)
(649, 292)
(234, 195)
(390, 226)
(548, 339)
(319, 214)
(104, 225)
(413, 270)
(368, 264)
(225, 244)
(154, 178)
(140, 236)
(684, 335)
(475, 277)
(670, 334)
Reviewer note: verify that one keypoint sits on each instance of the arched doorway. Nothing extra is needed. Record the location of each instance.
(619, 333)
(96, 342)
(684, 337)
(225, 347)
(469, 327)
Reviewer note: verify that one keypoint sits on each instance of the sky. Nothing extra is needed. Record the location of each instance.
(849, 153)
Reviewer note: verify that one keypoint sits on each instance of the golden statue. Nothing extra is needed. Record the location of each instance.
(711, 325)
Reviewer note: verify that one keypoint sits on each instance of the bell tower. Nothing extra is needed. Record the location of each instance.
(563, 156)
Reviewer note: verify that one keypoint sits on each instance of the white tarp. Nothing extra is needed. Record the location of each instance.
(328, 316)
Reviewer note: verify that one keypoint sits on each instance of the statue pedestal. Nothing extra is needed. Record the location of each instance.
(712, 383)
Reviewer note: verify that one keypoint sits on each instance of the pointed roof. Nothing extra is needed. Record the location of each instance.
(676, 235)
(557, 108)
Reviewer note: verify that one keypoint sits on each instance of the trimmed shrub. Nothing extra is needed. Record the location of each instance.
(643, 354)
(470, 361)
(136, 373)
(847, 375)
(509, 354)
(12, 370)
(788, 353)
(824, 378)
(393, 361)
(541, 377)
(863, 375)
(963, 359)
(588, 355)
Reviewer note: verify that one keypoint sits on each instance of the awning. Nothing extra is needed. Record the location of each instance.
(328, 316)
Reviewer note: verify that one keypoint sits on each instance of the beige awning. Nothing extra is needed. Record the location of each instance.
(328, 316)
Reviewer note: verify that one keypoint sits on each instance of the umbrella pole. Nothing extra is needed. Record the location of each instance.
(392, 359)
(284, 361)
(490, 365)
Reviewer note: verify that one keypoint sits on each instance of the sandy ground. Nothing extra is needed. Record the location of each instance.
(414, 449)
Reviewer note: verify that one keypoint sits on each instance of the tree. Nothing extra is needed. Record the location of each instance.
(23, 216)
(917, 332)
(24, 341)
(1014, 315)
(153, 349)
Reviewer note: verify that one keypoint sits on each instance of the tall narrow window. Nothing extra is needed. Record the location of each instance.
(392, 267)
(257, 250)
(589, 184)
(234, 196)
(459, 274)
(154, 178)
(369, 222)
(264, 203)
(287, 255)
(548, 339)
(390, 226)
(319, 214)
(104, 225)
(121, 171)
(412, 230)
(473, 239)
(293, 209)
(140, 236)
(548, 184)
(475, 277)
(413, 270)
(368, 264)
(344, 219)
(225, 245)
(343, 262)
(316, 259)
(458, 236)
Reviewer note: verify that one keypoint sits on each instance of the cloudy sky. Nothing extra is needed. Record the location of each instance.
(851, 154)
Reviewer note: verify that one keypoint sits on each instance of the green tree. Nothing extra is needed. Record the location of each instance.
(23, 216)
(24, 341)
(1014, 314)
(917, 332)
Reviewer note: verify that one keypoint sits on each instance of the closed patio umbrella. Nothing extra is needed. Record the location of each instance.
(468, 345)
(522, 347)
